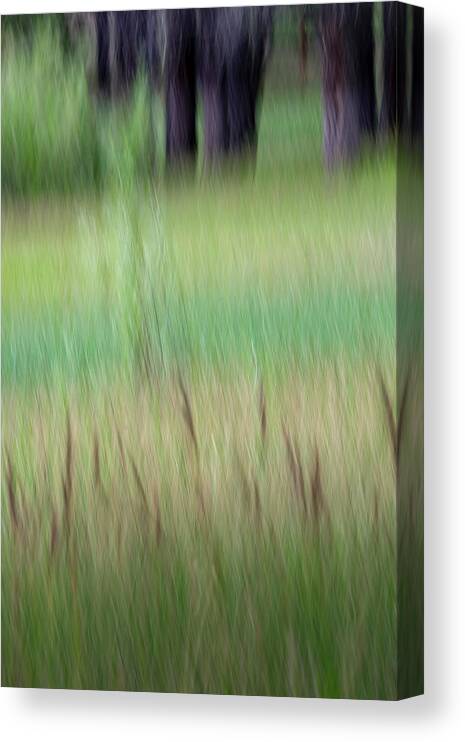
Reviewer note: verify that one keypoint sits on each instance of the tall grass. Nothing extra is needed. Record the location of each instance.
(150, 571)
(55, 137)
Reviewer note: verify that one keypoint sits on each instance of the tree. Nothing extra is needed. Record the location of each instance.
(180, 86)
(364, 51)
(212, 78)
(126, 49)
(233, 45)
(120, 39)
(102, 28)
(341, 121)
(347, 48)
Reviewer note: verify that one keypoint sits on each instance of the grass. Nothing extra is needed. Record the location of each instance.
(185, 559)
(226, 280)
(200, 444)
(54, 138)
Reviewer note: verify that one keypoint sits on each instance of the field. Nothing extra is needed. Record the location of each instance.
(198, 401)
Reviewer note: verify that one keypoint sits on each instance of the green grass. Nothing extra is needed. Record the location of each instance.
(223, 611)
(55, 138)
(201, 571)
(228, 282)
(171, 541)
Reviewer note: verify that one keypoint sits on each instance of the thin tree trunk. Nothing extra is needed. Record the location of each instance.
(365, 71)
(241, 91)
(181, 137)
(126, 49)
(152, 50)
(103, 54)
(216, 138)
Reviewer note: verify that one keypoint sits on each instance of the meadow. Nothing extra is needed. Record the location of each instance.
(199, 398)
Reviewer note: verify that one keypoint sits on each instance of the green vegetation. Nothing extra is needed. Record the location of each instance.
(200, 538)
(198, 474)
(227, 279)
(54, 138)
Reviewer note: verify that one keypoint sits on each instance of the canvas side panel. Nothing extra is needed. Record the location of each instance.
(410, 360)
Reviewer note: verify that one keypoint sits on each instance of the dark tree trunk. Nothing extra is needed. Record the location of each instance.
(417, 94)
(212, 77)
(241, 92)
(103, 54)
(364, 52)
(126, 49)
(393, 107)
(339, 85)
(180, 60)
(151, 46)
(244, 77)
(215, 120)
(232, 48)
(121, 41)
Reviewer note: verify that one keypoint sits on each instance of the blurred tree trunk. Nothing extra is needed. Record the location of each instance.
(216, 142)
(245, 65)
(152, 46)
(102, 26)
(126, 50)
(241, 92)
(340, 87)
(232, 45)
(417, 95)
(393, 106)
(118, 42)
(248, 71)
(180, 73)
(212, 77)
(365, 72)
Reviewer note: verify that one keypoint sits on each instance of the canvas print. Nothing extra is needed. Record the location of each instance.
(212, 350)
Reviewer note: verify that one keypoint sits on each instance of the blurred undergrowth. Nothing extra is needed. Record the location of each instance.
(55, 137)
